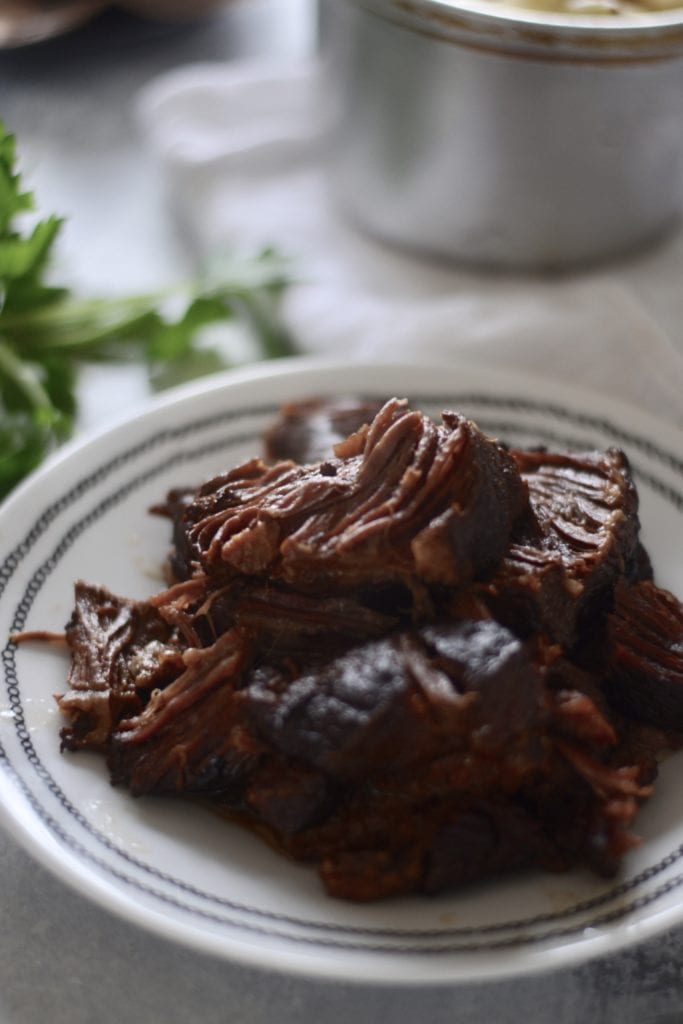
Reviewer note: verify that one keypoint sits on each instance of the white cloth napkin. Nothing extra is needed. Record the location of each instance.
(240, 144)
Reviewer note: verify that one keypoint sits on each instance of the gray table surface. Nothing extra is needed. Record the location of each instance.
(63, 959)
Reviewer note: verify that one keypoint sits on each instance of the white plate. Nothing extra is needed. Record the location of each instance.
(182, 872)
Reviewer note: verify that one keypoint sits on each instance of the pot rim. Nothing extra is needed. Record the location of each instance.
(493, 24)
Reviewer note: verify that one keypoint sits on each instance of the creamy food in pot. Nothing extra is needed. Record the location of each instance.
(597, 6)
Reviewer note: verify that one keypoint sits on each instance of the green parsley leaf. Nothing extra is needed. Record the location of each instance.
(46, 333)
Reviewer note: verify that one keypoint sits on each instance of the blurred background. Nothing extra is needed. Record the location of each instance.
(69, 98)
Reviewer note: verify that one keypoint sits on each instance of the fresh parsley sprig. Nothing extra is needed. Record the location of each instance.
(46, 333)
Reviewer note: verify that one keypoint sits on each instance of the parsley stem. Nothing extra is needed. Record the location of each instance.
(25, 377)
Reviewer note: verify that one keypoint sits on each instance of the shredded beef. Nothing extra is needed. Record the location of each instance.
(308, 431)
(398, 650)
(121, 651)
(403, 500)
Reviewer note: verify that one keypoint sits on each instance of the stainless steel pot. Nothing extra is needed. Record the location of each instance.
(495, 135)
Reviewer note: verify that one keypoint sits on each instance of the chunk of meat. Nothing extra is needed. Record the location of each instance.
(120, 650)
(401, 700)
(403, 500)
(308, 431)
(645, 662)
(581, 536)
(188, 737)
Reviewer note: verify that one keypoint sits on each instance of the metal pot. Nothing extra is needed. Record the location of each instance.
(496, 135)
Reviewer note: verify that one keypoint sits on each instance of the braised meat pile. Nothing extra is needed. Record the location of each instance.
(398, 650)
